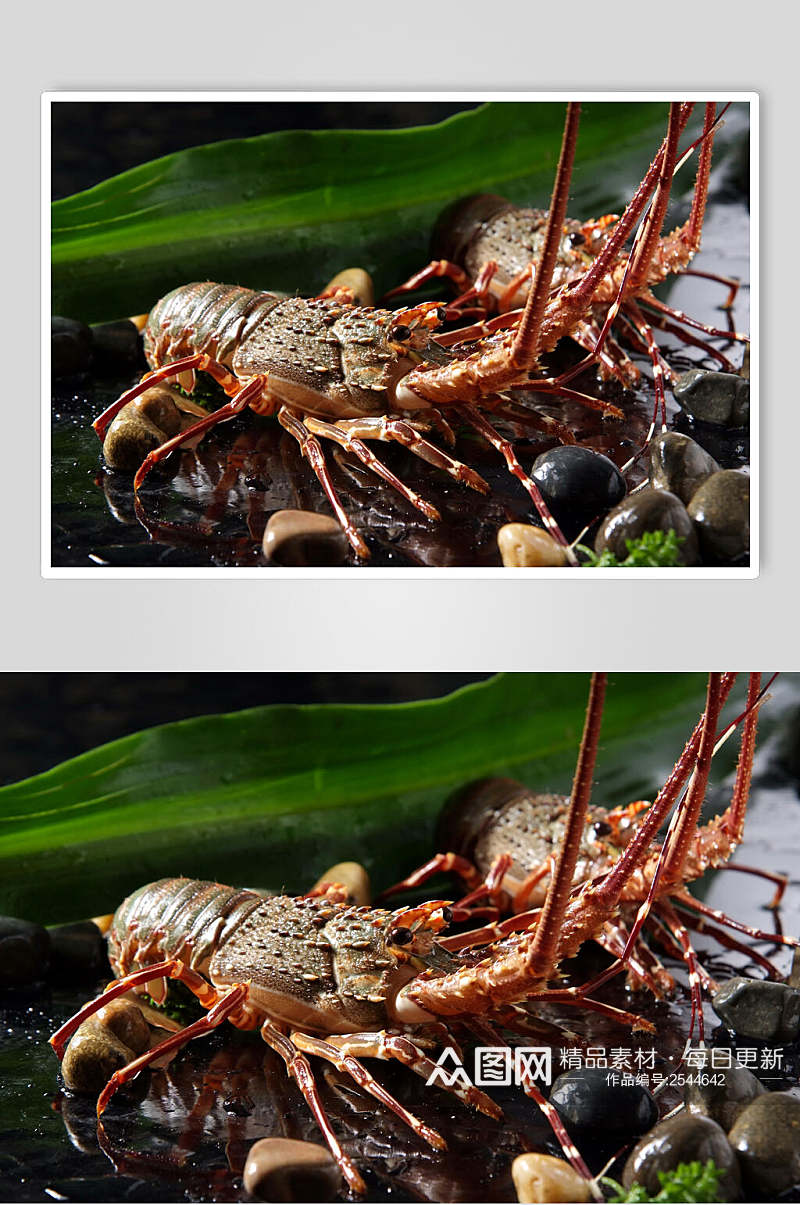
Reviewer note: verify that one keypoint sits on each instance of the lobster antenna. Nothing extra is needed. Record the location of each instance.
(527, 338)
(547, 929)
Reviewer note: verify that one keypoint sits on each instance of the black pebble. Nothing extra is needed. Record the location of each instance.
(577, 484)
(586, 1101)
(71, 347)
(24, 952)
(77, 951)
(115, 344)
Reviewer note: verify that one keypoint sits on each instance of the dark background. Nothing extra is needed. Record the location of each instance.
(46, 718)
(92, 140)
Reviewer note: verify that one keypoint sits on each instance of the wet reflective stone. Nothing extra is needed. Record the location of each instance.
(714, 397)
(766, 1138)
(759, 1008)
(679, 464)
(577, 484)
(70, 347)
(115, 344)
(302, 537)
(523, 546)
(24, 952)
(721, 1102)
(283, 1169)
(545, 1178)
(77, 950)
(126, 1022)
(141, 426)
(682, 1139)
(649, 510)
(92, 1056)
(721, 512)
(351, 875)
(586, 1100)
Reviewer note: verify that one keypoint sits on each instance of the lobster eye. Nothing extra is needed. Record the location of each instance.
(600, 828)
(399, 333)
(576, 239)
(401, 936)
(447, 914)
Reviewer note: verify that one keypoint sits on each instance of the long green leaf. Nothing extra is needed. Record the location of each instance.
(273, 796)
(287, 211)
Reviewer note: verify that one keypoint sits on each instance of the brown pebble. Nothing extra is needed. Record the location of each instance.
(283, 1169)
(302, 537)
(545, 1178)
(125, 1021)
(143, 425)
(523, 546)
(358, 281)
(93, 1055)
(351, 875)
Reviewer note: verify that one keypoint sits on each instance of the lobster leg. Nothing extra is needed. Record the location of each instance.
(368, 457)
(229, 1003)
(401, 432)
(312, 451)
(475, 419)
(357, 1071)
(653, 302)
(172, 968)
(199, 362)
(239, 402)
(690, 957)
(297, 1066)
(436, 269)
(385, 1045)
(438, 864)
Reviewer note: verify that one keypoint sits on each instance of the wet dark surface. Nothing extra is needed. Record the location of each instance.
(213, 511)
(182, 1133)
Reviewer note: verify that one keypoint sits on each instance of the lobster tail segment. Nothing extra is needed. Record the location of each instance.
(176, 918)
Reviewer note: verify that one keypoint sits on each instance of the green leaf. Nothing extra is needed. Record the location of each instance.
(273, 796)
(287, 211)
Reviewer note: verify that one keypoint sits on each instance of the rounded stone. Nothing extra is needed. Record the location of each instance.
(766, 1138)
(77, 950)
(122, 1018)
(648, 510)
(70, 347)
(24, 952)
(128, 441)
(714, 397)
(545, 1178)
(304, 538)
(141, 427)
(759, 1008)
(721, 513)
(92, 1056)
(679, 465)
(353, 877)
(523, 546)
(577, 483)
(587, 1101)
(682, 1139)
(721, 1102)
(115, 344)
(284, 1169)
